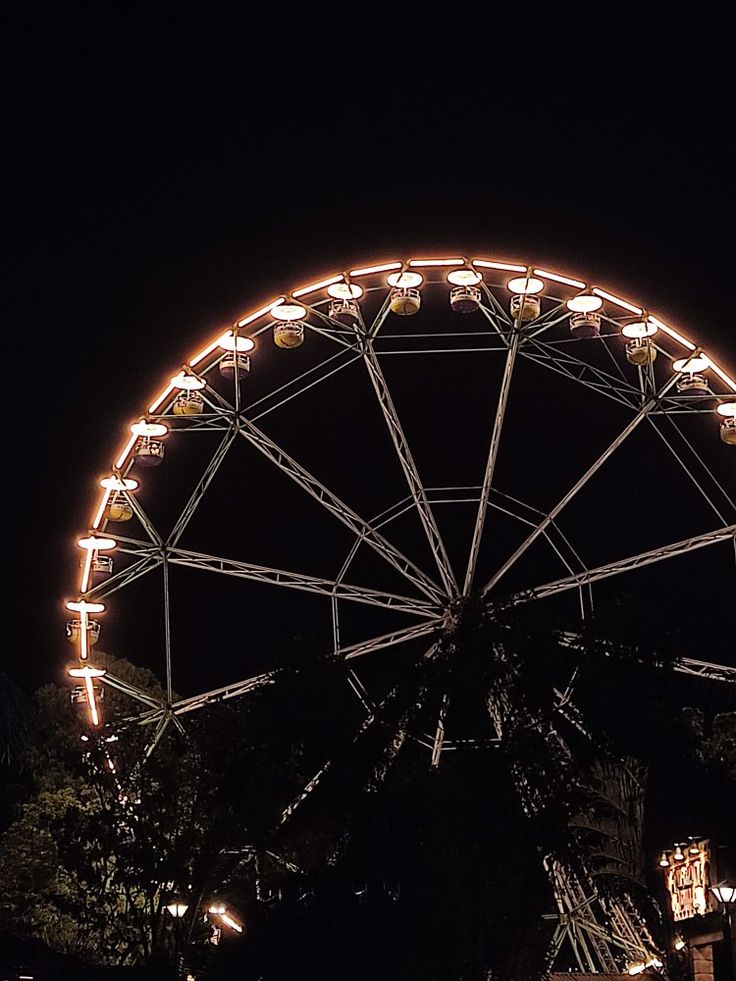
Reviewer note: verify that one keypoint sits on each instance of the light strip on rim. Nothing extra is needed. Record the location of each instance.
(383, 267)
(544, 274)
(260, 313)
(84, 585)
(91, 700)
(723, 376)
(84, 646)
(489, 264)
(317, 286)
(131, 442)
(201, 355)
(101, 510)
(162, 397)
(617, 300)
(436, 262)
(673, 333)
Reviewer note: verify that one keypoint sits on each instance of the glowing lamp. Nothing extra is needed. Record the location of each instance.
(637, 968)
(289, 311)
(116, 483)
(177, 907)
(678, 854)
(727, 409)
(188, 382)
(691, 365)
(464, 277)
(640, 329)
(584, 303)
(405, 280)
(97, 543)
(679, 943)
(82, 606)
(664, 861)
(230, 341)
(219, 910)
(86, 672)
(149, 430)
(523, 285)
(345, 291)
(724, 892)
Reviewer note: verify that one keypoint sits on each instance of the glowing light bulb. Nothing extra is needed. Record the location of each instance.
(97, 543)
(464, 277)
(289, 311)
(405, 280)
(82, 606)
(190, 383)
(640, 329)
(236, 342)
(149, 430)
(584, 303)
(523, 285)
(116, 483)
(345, 291)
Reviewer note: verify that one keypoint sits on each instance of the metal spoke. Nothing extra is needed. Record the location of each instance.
(638, 418)
(492, 456)
(683, 665)
(298, 580)
(338, 508)
(625, 565)
(390, 639)
(125, 576)
(409, 468)
(202, 485)
(133, 691)
(439, 736)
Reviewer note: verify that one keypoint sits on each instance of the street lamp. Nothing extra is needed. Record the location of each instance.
(177, 907)
(725, 894)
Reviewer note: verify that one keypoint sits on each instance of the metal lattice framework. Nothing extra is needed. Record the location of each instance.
(560, 328)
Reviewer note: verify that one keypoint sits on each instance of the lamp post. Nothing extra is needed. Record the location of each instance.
(177, 908)
(725, 894)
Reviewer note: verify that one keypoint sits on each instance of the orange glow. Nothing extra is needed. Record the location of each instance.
(226, 918)
(727, 409)
(464, 277)
(82, 606)
(435, 262)
(101, 510)
(525, 285)
(116, 483)
(617, 300)
(490, 264)
(155, 405)
(692, 365)
(560, 279)
(230, 341)
(201, 355)
(405, 280)
(258, 314)
(88, 673)
(189, 382)
(584, 303)
(97, 544)
(383, 267)
(316, 286)
(345, 291)
(673, 333)
(129, 445)
(149, 430)
(723, 376)
(84, 585)
(640, 329)
(289, 312)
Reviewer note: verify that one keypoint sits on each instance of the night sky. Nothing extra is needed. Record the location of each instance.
(155, 192)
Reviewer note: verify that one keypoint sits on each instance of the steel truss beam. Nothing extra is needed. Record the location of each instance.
(298, 580)
(204, 482)
(625, 565)
(409, 468)
(590, 472)
(338, 508)
(391, 639)
(683, 665)
(492, 456)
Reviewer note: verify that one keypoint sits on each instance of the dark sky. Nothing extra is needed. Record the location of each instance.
(156, 189)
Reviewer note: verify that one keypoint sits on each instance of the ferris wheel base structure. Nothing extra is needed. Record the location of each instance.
(354, 332)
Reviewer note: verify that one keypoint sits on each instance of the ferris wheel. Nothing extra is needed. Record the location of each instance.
(389, 457)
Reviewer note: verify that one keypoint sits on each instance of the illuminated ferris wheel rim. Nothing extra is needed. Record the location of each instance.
(265, 310)
(523, 282)
(583, 303)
